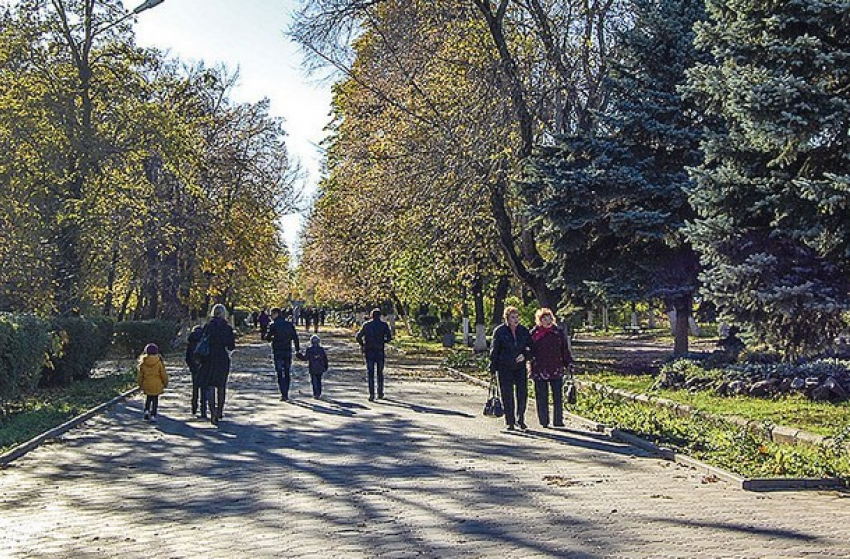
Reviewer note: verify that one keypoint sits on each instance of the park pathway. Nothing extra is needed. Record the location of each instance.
(421, 474)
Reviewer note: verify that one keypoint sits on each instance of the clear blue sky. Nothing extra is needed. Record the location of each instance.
(249, 35)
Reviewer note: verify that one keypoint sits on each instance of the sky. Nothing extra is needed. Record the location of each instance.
(249, 35)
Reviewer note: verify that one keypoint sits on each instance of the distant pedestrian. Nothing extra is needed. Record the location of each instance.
(283, 336)
(322, 315)
(215, 367)
(152, 379)
(372, 337)
(317, 364)
(199, 395)
(551, 360)
(308, 318)
(255, 319)
(264, 320)
(510, 351)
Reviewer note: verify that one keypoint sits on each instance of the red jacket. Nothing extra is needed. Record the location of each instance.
(551, 353)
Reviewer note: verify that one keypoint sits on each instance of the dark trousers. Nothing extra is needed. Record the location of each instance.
(199, 395)
(375, 364)
(541, 396)
(510, 382)
(282, 366)
(316, 381)
(263, 331)
(215, 400)
(152, 404)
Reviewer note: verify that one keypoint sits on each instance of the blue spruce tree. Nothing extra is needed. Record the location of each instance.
(773, 195)
(613, 205)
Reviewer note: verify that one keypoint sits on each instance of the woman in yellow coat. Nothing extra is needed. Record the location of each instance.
(152, 379)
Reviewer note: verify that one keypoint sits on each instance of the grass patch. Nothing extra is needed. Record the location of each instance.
(715, 441)
(796, 411)
(49, 408)
(412, 345)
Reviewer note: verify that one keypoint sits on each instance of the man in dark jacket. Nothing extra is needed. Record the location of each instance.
(282, 335)
(372, 337)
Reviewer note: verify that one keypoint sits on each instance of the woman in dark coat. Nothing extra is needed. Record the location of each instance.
(551, 358)
(508, 357)
(216, 366)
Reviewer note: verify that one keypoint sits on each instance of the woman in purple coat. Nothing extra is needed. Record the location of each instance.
(551, 358)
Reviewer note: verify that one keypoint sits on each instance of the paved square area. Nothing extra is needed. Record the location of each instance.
(420, 474)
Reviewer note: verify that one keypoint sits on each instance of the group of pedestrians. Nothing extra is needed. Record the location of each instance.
(543, 354)
(516, 353)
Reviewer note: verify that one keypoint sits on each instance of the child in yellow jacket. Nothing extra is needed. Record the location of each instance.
(152, 379)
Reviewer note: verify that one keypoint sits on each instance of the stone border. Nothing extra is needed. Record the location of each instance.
(747, 484)
(16, 452)
(776, 433)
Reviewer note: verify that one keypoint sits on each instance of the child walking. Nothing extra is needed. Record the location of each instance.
(317, 362)
(152, 379)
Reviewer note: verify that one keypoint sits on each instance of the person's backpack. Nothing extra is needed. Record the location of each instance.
(203, 347)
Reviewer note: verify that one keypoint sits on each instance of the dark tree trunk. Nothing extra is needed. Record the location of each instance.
(682, 305)
(110, 280)
(478, 301)
(499, 295)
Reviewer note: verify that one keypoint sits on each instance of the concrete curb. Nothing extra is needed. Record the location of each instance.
(8, 457)
(774, 433)
(747, 484)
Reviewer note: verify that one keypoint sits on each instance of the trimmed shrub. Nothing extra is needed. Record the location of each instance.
(132, 336)
(82, 341)
(24, 342)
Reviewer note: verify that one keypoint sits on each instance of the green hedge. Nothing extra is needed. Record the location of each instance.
(24, 343)
(82, 341)
(132, 336)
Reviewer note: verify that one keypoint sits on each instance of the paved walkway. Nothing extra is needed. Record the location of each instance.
(421, 474)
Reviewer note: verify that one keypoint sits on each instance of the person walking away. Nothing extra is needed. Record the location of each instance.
(551, 358)
(317, 364)
(372, 337)
(264, 321)
(199, 395)
(308, 318)
(283, 336)
(152, 380)
(508, 356)
(215, 368)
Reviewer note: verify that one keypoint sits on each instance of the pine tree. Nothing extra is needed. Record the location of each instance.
(613, 206)
(774, 192)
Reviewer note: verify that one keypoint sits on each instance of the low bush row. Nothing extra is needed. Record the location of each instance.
(40, 352)
(826, 379)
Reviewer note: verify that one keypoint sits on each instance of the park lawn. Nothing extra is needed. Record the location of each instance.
(822, 418)
(412, 345)
(49, 408)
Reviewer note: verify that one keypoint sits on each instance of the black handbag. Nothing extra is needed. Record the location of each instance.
(493, 407)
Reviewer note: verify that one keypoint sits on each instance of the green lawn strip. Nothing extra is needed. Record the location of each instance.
(822, 418)
(417, 346)
(714, 441)
(49, 408)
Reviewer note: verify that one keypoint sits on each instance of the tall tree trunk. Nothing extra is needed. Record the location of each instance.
(110, 280)
(480, 319)
(499, 295)
(682, 305)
